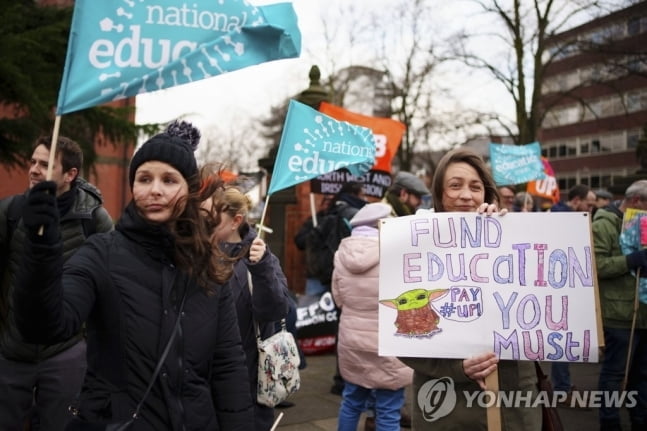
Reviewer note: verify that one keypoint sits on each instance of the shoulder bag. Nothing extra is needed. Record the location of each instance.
(278, 364)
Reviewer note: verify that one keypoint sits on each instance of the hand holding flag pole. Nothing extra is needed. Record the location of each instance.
(52, 158)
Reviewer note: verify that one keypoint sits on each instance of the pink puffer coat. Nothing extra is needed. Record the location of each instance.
(355, 289)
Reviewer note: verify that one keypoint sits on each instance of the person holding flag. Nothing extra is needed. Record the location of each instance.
(259, 286)
(44, 379)
(164, 350)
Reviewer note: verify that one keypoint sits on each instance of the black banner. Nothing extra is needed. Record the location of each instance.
(375, 182)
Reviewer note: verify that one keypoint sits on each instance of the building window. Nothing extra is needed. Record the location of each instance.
(552, 152)
(632, 139)
(595, 181)
(561, 183)
(584, 147)
(561, 151)
(595, 146)
(633, 101)
(633, 26)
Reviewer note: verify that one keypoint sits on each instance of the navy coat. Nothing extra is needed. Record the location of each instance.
(125, 285)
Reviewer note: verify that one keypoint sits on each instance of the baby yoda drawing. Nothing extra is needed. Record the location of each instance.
(415, 317)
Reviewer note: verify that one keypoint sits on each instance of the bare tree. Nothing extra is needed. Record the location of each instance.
(523, 29)
(391, 56)
(410, 63)
(236, 148)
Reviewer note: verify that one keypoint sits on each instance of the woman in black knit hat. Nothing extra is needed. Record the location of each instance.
(155, 278)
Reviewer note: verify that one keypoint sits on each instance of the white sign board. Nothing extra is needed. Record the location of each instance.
(453, 285)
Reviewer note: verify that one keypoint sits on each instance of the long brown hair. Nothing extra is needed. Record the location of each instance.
(192, 230)
(463, 155)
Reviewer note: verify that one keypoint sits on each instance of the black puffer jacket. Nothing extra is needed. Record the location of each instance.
(86, 206)
(125, 285)
(268, 304)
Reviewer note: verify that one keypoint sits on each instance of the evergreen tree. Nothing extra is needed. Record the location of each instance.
(33, 45)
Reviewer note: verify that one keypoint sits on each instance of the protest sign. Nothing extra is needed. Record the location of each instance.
(317, 323)
(375, 182)
(454, 285)
(516, 164)
(387, 132)
(546, 188)
(633, 237)
(388, 136)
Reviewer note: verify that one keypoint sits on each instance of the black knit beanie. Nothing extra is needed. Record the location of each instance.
(174, 146)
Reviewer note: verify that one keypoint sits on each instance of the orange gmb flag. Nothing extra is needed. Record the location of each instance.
(546, 188)
(387, 132)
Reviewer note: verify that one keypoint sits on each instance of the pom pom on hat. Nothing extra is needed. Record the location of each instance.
(369, 214)
(186, 131)
(174, 146)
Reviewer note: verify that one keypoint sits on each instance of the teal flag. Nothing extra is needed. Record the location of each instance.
(516, 164)
(119, 49)
(314, 144)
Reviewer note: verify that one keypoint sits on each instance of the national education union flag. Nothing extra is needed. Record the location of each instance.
(314, 144)
(516, 164)
(118, 49)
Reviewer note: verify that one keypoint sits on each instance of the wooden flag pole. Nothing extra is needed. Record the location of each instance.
(313, 209)
(52, 157)
(625, 379)
(52, 149)
(261, 227)
(493, 411)
(276, 422)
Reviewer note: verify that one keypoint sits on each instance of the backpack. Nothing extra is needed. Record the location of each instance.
(322, 242)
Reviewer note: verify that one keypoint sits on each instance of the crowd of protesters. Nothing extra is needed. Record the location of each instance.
(158, 314)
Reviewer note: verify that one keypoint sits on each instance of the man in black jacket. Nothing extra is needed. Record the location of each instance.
(45, 378)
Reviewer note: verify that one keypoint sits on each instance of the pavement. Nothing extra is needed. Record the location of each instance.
(316, 409)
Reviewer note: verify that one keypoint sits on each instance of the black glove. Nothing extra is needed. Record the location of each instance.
(41, 212)
(638, 259)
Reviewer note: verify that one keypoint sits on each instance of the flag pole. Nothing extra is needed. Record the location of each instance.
(52, 157)
(625, 379)
(52, 149)
(276, 422)
(261, 228)
(493, 412)
(313, 210)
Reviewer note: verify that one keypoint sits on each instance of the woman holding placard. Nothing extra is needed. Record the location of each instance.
(463, 183)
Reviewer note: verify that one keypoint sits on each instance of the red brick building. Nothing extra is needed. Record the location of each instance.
(600, 99)
(110, 172)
